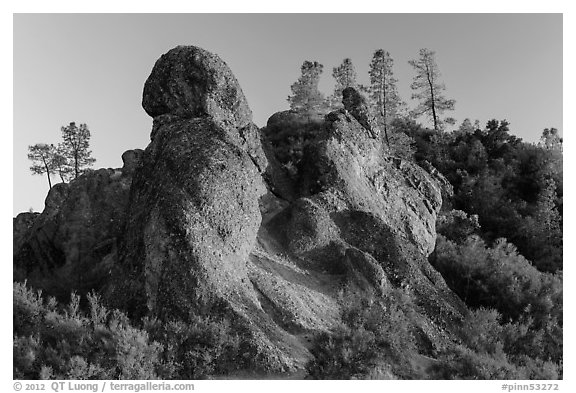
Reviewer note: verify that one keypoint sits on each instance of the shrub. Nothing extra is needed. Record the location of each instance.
(197, 349)
(500, 278)
(491, 350)
(373, 341)
(64, 343)
(290, 136)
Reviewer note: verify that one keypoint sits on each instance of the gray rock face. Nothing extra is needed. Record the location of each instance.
(21, 224)
(355, 104)
(372, 214)
(190, 82)
(193, 215)
(72, 244)
(131, 160)
(194, 211)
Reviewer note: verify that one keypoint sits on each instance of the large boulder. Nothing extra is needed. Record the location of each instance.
(195, 209)
(193, 216)
(190, 82)
(71, 245)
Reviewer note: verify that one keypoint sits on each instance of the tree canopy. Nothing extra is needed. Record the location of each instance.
(345, 76)
(42, 157)
(75, 148)
(428, 89)
(69, 159)
(306, 97)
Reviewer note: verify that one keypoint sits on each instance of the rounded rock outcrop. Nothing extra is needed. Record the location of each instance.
(190, 82)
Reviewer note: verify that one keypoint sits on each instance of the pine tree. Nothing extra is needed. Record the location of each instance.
(42, 156)
(551, 139)
(306, 97)
(386, 102)
(466, 127)
(61, 164)
(75, 149)
(345, 76)
(546, 212)
(428, 89)
(544, 230)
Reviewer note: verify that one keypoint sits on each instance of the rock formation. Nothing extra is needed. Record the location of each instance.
(356, 105)
(72, 243)
(210, 223)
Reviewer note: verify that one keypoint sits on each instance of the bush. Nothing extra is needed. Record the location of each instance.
(56, 342)
(289, 136)
(64, 343)
(529, 301)
(491, 350)
(198, 349)
(498, 277)
(373, 341)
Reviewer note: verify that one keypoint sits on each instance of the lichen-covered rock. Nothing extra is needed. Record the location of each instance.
(131, 160)
(348, 170)
(195, 211)
(21, 224)
(370, 218)
(71, 245)
(193, 216)
(356, 105)
(190, 82)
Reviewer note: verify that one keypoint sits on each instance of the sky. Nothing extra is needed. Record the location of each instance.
(91, 68)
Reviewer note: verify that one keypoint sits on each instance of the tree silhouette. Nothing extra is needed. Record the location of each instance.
(42, 156)
(384, 97)
(75, 148)
(306, 98)
(345, 76)
(428, 89)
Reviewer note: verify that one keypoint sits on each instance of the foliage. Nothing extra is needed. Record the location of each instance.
(551, 139)
(68, 159)
(306, 98)
(75, 148)
(498, 277)
(56, 342)
(290, 138)
(528, 300)
(46, 159)
(61, 164)
(400, 144)
(385, 100)
(67, 344)
(196, 349)
(541, 232)
(428, 89)
(374, 340)
(457, 226)
(492, 350)
(345, 76)
(515, 188)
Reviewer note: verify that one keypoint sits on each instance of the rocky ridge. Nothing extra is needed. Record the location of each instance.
(206, 221)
